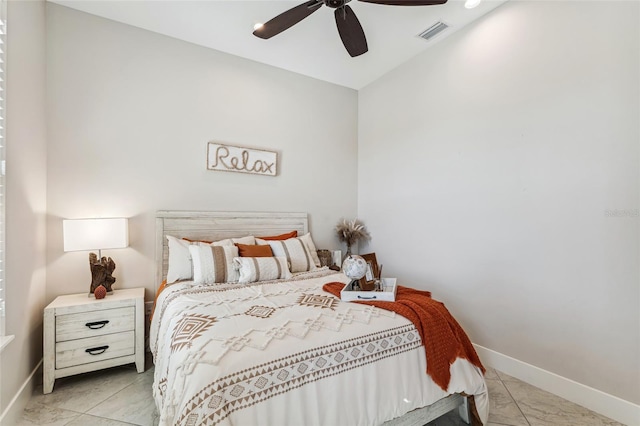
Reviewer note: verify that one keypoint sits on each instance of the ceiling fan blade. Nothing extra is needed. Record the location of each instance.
(350, 31)
(407, 2)
(287, 19)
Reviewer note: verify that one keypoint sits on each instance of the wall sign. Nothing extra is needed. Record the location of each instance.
(238, 159)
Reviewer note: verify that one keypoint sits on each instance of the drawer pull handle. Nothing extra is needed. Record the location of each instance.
(96, 325)
(97, 351)
(367, 298)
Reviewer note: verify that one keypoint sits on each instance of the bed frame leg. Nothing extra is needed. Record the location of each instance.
(463, 410)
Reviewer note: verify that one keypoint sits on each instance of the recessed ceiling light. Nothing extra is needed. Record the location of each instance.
(470, 4)
(258, 26)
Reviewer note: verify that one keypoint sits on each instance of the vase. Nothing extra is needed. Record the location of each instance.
(348, 253)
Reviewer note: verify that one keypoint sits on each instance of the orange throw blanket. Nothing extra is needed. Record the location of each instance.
(442, 337)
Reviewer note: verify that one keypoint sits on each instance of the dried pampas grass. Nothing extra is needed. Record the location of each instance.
(351, 232)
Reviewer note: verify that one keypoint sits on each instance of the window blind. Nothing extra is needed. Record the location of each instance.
(3, 50)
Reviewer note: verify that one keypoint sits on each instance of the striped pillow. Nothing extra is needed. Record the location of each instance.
(294, 250)
(213, 264)
(306, 239)
(253, 269)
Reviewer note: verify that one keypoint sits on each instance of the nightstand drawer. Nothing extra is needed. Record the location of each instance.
(92, 349)
(94, 323)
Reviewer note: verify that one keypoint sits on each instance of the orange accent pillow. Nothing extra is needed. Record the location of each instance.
(292, 234)
(254, 251)
(162, 286)
(197, 241)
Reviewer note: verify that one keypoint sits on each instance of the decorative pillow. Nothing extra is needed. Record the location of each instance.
(294, 250)
(248, 240)
(286, 236)
(247, 250)
(306, 239)
(213, 264)
(179, 260)
(253, 269)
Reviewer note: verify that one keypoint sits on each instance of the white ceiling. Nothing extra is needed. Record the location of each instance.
(311, 47)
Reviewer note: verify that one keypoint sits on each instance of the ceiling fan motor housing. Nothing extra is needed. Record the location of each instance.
(335, 4)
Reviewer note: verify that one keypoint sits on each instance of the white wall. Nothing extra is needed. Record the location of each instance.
(487, 167)
(130, 113)
(26, 197)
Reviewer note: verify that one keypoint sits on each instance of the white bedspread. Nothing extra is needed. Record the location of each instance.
(287, 353)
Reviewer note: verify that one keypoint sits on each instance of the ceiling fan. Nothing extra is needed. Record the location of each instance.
(348, 25)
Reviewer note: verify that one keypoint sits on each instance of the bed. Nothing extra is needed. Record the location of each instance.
(283, 351)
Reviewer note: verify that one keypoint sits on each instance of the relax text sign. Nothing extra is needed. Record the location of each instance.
(237, 159)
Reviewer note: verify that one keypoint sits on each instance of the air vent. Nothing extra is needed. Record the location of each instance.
(433, 30)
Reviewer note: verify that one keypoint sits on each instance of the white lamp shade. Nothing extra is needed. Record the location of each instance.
(95, 234)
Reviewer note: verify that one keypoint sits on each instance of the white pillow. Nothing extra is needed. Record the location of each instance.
(295, 250)
(254, 269)
(213, 263)
(250, 240)
(179, 260)
(180, 266)
(306, 239)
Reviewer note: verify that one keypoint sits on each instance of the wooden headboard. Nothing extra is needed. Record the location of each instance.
(214, 226)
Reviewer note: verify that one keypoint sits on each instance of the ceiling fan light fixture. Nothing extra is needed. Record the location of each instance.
(258, 25)
(470, 4)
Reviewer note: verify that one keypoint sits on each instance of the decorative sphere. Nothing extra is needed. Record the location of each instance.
(100, 292)
(354, 267)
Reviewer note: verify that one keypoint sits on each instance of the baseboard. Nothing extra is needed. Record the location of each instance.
(603, 403)
(13, 413)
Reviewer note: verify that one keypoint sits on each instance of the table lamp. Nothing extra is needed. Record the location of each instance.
(97, 234)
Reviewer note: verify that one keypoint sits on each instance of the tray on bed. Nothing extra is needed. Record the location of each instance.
(388, 293)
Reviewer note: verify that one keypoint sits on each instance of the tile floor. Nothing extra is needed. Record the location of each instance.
(513, 402)
(120, 396)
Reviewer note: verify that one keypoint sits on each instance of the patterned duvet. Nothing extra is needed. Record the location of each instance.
(287, 353)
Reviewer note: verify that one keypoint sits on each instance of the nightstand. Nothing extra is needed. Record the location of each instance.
(83, 334)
